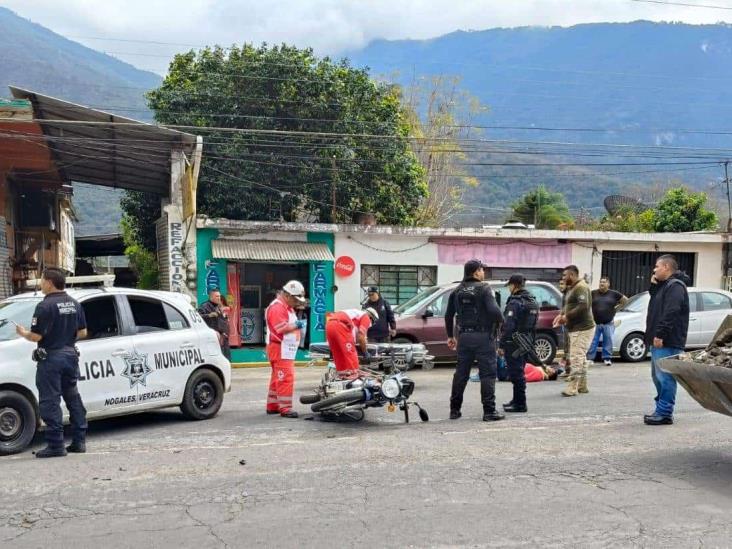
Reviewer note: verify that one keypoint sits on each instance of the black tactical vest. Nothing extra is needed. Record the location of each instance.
(467, 305)
(529, 313)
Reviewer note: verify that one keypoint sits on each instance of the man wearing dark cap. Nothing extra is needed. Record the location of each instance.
(521, 314)
(384, 328)
(478, 320)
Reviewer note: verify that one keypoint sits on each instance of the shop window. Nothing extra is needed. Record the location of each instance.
(397, 283)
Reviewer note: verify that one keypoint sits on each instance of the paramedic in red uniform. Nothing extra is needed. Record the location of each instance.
(342, 330)
(283, 339)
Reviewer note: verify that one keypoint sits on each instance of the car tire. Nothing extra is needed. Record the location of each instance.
(633, 348)
(203, 396)
(545, 347)
(18, 422)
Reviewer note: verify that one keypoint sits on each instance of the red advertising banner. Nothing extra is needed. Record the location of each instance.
(345, 266)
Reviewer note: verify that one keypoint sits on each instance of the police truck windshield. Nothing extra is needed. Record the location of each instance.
(20, 312)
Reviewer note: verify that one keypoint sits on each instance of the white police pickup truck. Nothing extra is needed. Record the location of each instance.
(144, 350)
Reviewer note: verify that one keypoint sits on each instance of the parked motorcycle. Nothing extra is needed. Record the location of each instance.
(381, 381)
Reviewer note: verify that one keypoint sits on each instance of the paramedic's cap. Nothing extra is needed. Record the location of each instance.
(296, 290)
(472, 266)
(517, 280)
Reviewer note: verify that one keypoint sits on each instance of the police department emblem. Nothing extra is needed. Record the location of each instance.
(136, 369)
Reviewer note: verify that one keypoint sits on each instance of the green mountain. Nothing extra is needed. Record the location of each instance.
(641, 84)
(572, 89)
(43, 61)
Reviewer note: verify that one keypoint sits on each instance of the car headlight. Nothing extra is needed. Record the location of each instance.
(617, 322)
(390, 388)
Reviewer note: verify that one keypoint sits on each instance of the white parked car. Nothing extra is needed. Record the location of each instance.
(708, 307)
(144, 350)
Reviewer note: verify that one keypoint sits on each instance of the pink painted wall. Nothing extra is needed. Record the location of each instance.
(503, 253)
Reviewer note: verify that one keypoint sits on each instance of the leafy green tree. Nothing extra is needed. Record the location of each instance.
(142, 260)
(441, 116)
(543, 208)
(684, 211)
(626, 220)
(340, 145)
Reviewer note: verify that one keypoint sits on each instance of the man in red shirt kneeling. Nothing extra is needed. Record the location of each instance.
(342, 330)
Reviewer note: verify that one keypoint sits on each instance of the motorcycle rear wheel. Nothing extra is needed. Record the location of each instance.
(344, 397)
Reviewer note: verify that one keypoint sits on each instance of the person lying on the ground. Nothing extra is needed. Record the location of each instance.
(540, 373)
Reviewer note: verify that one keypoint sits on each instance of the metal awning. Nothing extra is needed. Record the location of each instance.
(271, 251)
(101, 148)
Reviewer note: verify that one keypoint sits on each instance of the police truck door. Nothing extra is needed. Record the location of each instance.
(102, 358)
(167, 348)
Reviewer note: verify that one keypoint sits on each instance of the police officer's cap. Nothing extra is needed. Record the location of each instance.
(473, 265)
(517, 279)
(372, 290)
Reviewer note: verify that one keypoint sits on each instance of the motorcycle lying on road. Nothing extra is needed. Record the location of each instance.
(381, 382)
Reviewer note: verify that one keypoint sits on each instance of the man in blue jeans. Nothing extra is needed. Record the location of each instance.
(605, 303)
(667, 325)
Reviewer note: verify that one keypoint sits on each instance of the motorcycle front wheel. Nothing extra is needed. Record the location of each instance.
(351, 396)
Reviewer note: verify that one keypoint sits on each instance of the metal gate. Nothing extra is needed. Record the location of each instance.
(630, 272)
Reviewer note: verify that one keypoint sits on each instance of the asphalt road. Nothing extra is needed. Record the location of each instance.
(577, 472)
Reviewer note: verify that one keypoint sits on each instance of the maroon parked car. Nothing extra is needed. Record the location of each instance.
(422, 318)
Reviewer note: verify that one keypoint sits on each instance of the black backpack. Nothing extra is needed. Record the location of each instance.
(467, 305)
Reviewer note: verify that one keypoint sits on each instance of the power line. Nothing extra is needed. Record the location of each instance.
(685, 4)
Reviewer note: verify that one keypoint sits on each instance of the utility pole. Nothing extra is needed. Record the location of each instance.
(333, 191)
(729, 199)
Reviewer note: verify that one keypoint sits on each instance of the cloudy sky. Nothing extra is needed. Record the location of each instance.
(329, 26)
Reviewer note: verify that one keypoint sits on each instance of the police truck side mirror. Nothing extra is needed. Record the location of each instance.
(428, 313)
(498, 298)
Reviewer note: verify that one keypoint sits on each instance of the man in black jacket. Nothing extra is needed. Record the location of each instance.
(384, 328)
(478, 321)
(667, 324)
(212, 312)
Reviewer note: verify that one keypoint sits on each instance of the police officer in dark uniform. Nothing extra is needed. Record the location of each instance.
(478, 320)
(58, 322)
(521, 314)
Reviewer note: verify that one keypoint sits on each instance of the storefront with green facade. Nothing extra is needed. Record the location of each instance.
(249, 264)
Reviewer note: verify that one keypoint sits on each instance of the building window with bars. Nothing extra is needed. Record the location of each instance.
(397, 283)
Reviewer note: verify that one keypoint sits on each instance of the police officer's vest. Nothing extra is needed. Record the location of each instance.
(467, 305)
(526, 323)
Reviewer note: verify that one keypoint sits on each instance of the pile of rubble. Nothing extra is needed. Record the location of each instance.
(719, 352)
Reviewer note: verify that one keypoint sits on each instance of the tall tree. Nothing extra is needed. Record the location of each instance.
(684, 211)
(442, 117)
(544, 209)
(326, 141)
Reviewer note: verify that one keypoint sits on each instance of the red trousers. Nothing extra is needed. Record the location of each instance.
(339, 335)
(281, 382)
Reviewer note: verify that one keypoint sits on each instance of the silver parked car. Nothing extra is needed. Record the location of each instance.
(708, 307)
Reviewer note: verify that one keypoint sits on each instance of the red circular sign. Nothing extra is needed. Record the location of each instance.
(345, 266)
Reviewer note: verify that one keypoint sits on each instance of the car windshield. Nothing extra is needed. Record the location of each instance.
(637, 303)
(18, 311)
(412, 305)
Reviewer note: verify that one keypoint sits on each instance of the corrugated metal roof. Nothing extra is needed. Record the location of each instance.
(271, 251)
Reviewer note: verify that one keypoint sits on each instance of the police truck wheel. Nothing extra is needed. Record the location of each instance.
(633, 348)
(204, 395)
(545, 347)
(17, 422)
